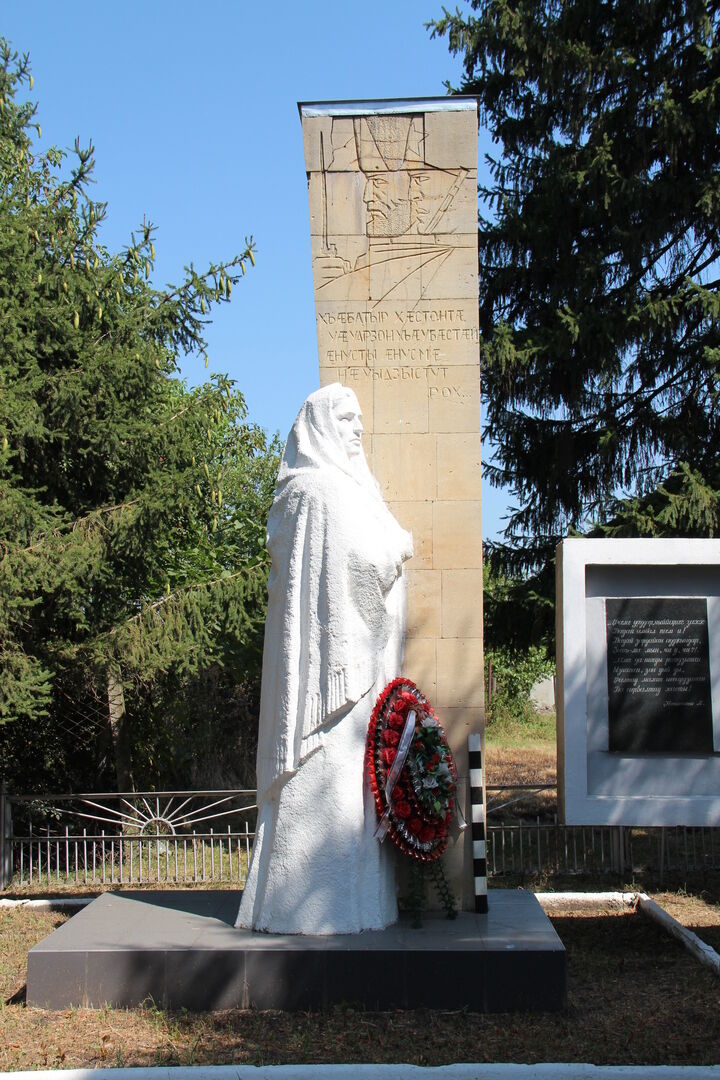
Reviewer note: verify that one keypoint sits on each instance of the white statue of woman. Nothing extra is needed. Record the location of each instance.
(333, 639)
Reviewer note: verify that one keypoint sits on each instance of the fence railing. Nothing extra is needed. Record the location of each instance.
(533, 843)
(534, 848)
(151, 838)
(131, 838)
(101, 859)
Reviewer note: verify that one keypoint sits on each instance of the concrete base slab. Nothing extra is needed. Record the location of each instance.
(181, 950)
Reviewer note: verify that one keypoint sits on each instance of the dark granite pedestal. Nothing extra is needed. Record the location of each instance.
(181, 950)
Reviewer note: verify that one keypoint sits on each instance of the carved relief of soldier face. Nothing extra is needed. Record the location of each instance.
(387, 200)
(419, 191)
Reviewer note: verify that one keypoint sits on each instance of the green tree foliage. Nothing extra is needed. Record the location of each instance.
(599, 260)
(686, 504)
(510, 676)
(519, 633)
(519, 610)
(200, 729)
(131, 508)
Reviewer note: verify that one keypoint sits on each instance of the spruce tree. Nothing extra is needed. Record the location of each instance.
(126, 554)
(599, 242)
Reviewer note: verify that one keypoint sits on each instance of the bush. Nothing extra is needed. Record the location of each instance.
(515, 671)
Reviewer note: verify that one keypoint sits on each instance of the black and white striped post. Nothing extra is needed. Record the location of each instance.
(477, 804)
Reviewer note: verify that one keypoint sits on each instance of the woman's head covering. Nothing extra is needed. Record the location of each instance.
(337, 553)
(314, 441)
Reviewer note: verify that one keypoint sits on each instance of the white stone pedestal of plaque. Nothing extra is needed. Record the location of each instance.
(638, 682)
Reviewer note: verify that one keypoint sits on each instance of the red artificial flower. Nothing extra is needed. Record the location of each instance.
(418, 834)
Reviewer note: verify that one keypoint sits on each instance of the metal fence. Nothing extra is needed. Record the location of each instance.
(537, 844)
(536, 848)
(145, 838)
(131, 838)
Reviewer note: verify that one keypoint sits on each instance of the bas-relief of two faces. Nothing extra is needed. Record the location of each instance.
(390, 152)
(395, 202)
(401, 193)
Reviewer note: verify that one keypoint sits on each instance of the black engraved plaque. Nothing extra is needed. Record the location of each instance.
(658, 669)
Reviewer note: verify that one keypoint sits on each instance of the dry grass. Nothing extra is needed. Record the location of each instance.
(533, 764)
(635, 996)
(19, 931)
(68, 887)
(516, 763)
(699, 913)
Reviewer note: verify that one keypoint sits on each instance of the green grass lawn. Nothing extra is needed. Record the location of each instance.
(527, 729)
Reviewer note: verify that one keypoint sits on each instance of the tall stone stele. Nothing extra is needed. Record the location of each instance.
(393, 221)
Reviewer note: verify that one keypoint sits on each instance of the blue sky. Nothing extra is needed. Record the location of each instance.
(192, 110)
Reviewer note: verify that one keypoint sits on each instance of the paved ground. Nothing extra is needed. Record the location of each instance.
(387, 1072)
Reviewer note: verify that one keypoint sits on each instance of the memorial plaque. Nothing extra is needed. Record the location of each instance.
(658, 669)
(392, 187)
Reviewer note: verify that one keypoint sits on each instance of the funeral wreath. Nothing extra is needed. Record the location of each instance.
(413, 778)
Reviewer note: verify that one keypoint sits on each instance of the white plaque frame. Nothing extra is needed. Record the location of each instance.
(596, 787)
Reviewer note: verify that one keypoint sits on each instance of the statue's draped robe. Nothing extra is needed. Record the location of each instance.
(333, 637)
